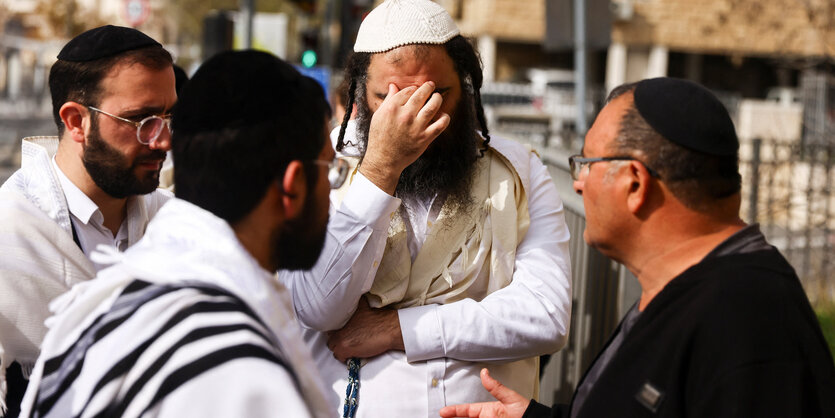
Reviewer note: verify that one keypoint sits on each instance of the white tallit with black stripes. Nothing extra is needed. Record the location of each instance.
(185, 324)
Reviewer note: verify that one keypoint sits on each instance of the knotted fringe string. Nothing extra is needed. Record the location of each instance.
(352, 392)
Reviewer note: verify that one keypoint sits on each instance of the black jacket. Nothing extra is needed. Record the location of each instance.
(732, 336)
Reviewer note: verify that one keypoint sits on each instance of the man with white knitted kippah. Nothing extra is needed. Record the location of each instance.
(448, 250)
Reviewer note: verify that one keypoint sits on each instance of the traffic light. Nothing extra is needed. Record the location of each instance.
(310, 48)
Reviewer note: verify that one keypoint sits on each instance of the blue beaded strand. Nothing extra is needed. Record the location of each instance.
(352, 392)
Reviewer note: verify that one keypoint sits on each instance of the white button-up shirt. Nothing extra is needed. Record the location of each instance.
(88, 221)
(446, 345)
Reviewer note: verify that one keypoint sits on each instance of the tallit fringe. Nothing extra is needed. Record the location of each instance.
(3, 390)
(26, 369)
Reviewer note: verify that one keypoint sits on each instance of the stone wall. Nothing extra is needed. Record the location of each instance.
(506, 20)
(799, 28)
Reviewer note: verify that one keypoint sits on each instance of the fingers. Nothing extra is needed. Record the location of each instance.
(421, 95)
(435, 129)
(430, 109)
(399, 97)
(498, 390)
(470, 410)
(333, 344)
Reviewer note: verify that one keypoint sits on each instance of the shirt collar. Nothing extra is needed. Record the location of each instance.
(747, 240)
(78, 203)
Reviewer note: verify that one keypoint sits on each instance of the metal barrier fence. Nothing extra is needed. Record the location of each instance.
(602, 290)
(788, 189)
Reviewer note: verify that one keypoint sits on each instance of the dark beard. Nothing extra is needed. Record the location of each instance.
(446, 167)
(298, 243)
(111, 170)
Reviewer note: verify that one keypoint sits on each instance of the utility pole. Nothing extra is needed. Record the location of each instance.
(247, 8)
(580, 66)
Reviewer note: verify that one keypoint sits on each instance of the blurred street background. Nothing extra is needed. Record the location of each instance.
(548, 65)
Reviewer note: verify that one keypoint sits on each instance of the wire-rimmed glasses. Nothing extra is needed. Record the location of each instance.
(579, 165)
(337, 171)
(147, 130)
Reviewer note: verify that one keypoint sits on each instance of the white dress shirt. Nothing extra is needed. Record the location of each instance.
(88, 220)
(446, 345)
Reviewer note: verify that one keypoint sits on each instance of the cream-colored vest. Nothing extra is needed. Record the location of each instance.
(459, 244)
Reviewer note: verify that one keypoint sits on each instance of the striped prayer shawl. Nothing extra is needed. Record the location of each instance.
(153, 340)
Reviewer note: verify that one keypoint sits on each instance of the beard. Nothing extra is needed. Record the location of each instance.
(113, 172)
(296, 245)
(446, 167)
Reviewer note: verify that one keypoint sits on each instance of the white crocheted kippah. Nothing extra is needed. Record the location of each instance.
(403, 22)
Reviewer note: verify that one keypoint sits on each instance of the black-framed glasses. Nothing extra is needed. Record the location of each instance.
(337, 171)
(147, 130)
(579, 165)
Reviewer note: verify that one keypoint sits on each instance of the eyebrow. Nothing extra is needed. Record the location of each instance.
(148, 110)
(441, 91)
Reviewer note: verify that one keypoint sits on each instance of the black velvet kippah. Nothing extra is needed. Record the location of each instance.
(687, 114)
(103, 42)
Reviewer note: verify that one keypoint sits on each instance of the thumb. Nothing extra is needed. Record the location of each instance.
(363, 305)
(498, 390)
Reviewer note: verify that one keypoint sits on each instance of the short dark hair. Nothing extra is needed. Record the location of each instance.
(697, 179)
(242, 118)
(80, 82)
(467, 65)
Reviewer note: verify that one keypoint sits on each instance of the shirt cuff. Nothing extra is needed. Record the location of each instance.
(538, 410)
(369, 203)
(421, 329)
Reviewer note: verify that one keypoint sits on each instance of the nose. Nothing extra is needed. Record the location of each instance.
(578, 187)
(163, 141)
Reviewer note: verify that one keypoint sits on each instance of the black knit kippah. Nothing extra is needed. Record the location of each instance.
(103, 42)
(687, 114)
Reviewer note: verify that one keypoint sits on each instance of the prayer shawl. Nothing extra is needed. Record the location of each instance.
(185, 323)
(40, 259)
(460, 245)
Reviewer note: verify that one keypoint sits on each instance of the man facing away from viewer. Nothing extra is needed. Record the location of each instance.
(95, 184)
(722, 327)
(447, 249)
(191, 321)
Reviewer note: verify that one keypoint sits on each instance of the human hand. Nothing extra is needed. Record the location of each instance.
(368, 333)
(510, 404)
(401, 129)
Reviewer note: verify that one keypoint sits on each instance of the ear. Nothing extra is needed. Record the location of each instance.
(294, 189)
(73, 116)
(639, 186)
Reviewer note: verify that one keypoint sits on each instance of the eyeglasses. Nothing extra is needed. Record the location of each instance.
(337, 171)
(147, 130)
(580, 166)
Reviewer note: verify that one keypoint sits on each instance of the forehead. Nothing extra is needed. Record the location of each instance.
(412, 65)
(606, 126)
(134, 84)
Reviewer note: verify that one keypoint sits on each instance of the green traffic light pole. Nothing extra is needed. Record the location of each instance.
(247, 8)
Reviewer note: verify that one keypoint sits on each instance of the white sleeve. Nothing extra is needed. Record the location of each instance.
(529, 317)
(247, 387)
(326, 296)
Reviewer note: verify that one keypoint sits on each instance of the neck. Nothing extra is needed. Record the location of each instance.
(255, 238)
(114, 210)
(661, 257)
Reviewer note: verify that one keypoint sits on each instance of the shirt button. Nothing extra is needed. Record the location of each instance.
(434, 383)
(429, 224)
(376, 263)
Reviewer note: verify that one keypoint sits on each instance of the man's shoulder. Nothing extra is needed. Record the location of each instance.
(154, 201)
(510, 147)
(173, 331)
(743, 297)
